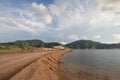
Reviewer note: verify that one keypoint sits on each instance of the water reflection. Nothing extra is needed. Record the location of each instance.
(103, 62)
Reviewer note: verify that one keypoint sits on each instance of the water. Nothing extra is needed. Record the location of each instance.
(105, 63)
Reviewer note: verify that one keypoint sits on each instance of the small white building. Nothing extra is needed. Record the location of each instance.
(59, 47)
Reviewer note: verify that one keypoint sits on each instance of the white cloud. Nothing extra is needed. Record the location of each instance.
(63, 43)
(22, 24)
(117, 24)
(107, 14)
(58, 7)
(101, 19)
(73, 37)
(43, 12)
(69, 14)
(82, 17)
(97, 37)
(84, 37)
(110, 5)
(116, 36)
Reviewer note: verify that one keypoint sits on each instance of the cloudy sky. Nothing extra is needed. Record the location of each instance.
(60, 20)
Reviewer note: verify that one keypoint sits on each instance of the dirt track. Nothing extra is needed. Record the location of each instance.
(10, 64)
(32, 66)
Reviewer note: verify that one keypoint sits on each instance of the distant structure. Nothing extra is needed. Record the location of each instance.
(46, 49)
(59, 47)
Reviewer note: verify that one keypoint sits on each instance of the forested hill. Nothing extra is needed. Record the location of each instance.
(80, 44)
(21, 44)
(88, 44)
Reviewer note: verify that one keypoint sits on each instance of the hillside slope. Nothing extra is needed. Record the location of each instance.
(22, 44)
(88, 44)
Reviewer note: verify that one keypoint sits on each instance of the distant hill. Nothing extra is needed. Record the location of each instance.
(88, 44)
(80, 44)
(27, 43)
(52, 44)
(21, 44)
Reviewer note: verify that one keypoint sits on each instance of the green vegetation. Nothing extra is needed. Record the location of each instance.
(50, 45)
(26, 43)
(22, 44)
(88, 44)
(8, 46)
(80, 44)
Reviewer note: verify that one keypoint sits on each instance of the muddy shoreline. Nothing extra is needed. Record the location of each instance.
(45, 68)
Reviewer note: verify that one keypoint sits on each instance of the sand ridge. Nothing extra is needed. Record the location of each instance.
(45, 68)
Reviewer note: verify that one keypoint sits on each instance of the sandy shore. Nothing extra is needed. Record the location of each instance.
(10, 64)
(47, 67)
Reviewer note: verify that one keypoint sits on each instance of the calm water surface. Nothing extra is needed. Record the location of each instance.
(105, 62)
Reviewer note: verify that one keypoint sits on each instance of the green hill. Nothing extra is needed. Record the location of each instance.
(27, 43)
(52, 44)
(80, 44)
(88, 44)
(22, 44)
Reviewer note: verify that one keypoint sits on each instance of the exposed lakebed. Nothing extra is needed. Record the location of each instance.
(92, 64)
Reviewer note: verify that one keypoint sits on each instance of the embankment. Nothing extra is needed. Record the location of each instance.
(45, 68)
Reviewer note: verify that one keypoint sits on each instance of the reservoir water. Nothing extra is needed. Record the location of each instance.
(92, 64)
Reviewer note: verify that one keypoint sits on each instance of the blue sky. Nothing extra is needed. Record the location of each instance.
(60, 20)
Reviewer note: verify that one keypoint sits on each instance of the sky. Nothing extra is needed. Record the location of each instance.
(60, 20)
